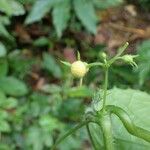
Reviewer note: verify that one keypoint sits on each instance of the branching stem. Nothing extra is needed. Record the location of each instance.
(71, 131)
(90, 136)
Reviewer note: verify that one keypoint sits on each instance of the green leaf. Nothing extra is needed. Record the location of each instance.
(42, 41)
(16, 8)
(61, 15)
(137, 104)
(39, 9)
(3, 31)
(4, 126)
(49, 123)
(82, 91)
(84, 10)
(71, 109)
(5, 7)
(2, 97)
(11, 7)
(4, 67)
(144, 61)
(51, 89)
(34, 138)
(13, 86)
(104, 4)
(7, 103)
(50, 65)
(2, 50)
(10, 103)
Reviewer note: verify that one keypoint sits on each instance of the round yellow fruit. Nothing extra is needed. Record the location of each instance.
(79, 69)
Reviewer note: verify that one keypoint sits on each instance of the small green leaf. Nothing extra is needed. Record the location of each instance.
(2, 97)
(86, 13)
(4, 126)
(51, 88)
(10, 103)
(13, 86)
(50, 65)
(61, 15)
(2, 50)
(65, 63)
(104, 4)
(82, 91)
(48, 123)
(4, 32)
(42, 41)
(4, 67)
(39, 9)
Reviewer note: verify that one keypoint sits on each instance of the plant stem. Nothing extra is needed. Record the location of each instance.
(71, 131)
(128, 123)
(81, 81)
(106, 126)
(90, 136)
(105, 88)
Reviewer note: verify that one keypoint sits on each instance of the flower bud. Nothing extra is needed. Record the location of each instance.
(129, 59)
(79, 69)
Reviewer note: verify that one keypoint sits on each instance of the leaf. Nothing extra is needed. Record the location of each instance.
(16, 8)
(3, 31)
(10, 103)
(39, 9)
(84, 10)
(51, 89)
(4, 67)
(34, 138)
(11, 7)
(20, 64)
(5, 7)
(41, 42)
(104, 4)
(137, 104)
(82, 91)
(144, 61)
(49, 123)
(61, 15)
(50, 65)
(2, 50)
(71, 109)
(4, 126)
(13, 86)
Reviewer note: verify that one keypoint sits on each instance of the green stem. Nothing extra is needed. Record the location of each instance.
(81, 82)
(106, 126)
(71, 131)
(120, 51)
(90, 136)
(105, 88)
(95, 64)
(128, 123)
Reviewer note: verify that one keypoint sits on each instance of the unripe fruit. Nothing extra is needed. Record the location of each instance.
(79, 69)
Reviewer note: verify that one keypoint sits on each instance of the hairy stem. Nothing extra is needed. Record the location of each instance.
(71, 131)
(105, 88)
(128, 123)
(106, 126)
(90, 136)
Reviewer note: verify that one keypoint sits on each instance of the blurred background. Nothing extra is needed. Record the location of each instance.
(39, 99)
